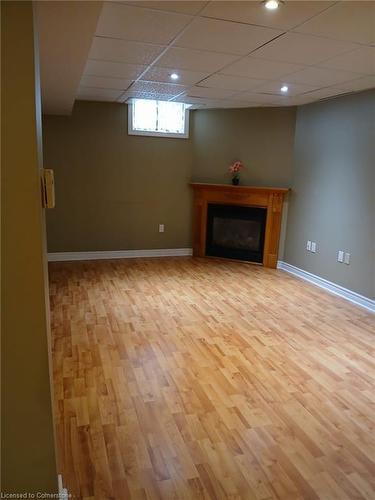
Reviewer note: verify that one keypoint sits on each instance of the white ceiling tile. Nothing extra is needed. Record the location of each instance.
(260, 68)
(295, 101)
(100, 82)
(316, 95)
(312, 97)
(211, 93)
(303, 49)
(202, 102)
(225, 104)
(224, 36)
(118, 20)
(321, 76)
(352, 21)
(131, 94)
(94, 94)
(113, 70)
(194, 106)
(361, 60)
(231, 82)
(194, 60)
(364, 83)
(282, 101)
(157, 88)
(289, 15)
(247, 105)
(113, 49)
(158, 74)
(293, 88)
(256, 97)
(197, 101)
(144, 95)
(319, 59)
(211, 104)
(241, 104)
(183, 7)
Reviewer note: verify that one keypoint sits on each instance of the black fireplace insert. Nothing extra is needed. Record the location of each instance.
(236, 232)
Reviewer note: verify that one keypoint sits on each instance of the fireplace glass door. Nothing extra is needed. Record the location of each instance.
(236, 232)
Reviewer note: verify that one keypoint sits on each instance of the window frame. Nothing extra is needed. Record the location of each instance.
(132, 131)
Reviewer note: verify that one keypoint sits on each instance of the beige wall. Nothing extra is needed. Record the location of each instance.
(261, 137)
(333, 197)
(28, 459)
(113, 190)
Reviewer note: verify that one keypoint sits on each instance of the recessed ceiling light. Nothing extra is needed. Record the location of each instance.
(174, 76)
(272, 4)
(284, 88)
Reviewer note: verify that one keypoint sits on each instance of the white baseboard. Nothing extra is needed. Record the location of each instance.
(63, 492)
(119, 254)
(345, 293)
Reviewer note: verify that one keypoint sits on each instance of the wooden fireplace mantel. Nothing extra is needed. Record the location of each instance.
(266, 197)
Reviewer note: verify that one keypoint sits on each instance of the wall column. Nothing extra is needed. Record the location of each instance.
(28, 451)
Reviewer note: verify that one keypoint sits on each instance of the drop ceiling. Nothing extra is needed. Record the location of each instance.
(230, 54)
(65, 31)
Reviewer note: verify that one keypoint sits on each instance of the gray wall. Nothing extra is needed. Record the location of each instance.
(333, 197)
(112, 189)
(261, 137)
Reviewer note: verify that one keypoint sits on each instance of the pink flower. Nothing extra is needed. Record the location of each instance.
(236, 167)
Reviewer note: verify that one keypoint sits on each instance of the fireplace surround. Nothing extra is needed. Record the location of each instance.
(237, 222)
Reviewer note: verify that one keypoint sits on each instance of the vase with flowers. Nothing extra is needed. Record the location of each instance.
(235, 169)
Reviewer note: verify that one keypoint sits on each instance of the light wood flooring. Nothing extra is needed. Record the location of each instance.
(204, 379)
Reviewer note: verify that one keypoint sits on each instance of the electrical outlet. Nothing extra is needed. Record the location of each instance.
(308, 245)
(313, 246)
(347, 258)
(161, 228)
(340, 256)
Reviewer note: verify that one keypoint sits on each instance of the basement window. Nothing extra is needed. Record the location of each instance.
(158, 118)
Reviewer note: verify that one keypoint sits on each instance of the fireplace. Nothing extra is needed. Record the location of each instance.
(238, 222)
(235, 232)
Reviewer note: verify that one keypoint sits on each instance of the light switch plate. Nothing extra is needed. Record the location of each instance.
(347, 258)
(308, 245)
(340, 256)
(161, 228)
(313, 246)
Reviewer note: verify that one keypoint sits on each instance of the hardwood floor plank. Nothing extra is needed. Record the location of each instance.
(197, 379)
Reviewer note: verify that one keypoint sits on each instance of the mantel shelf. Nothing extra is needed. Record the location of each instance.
(226, 187)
